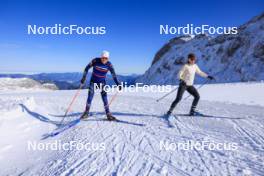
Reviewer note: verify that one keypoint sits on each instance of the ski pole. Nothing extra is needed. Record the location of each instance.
(71, 103)
(166, 94)
(113, 98)
(197, 89)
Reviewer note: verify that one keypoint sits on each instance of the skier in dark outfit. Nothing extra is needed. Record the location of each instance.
(100, 68)
(186, 76)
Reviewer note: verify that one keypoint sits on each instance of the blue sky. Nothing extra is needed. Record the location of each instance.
(132, 30)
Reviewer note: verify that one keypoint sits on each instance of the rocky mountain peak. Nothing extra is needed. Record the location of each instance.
(238, 57)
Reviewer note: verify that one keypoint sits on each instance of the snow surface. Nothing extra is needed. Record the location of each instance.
(24, 84)
(133, 145)
(239, 93)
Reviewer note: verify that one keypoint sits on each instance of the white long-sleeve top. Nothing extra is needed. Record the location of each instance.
(187, 73)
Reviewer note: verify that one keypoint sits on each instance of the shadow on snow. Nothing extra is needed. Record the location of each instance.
(63, 127)
(210, 116)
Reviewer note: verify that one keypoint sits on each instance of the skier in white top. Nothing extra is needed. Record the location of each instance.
(186, 76)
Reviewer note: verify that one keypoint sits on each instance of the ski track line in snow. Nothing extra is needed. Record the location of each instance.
(73, 153)
(196, 152)
(207, 135)
(141, 140)
(57, 167)
(119, 156)
(134, 150)
(157, 157)
(227, 166)
(249, 137)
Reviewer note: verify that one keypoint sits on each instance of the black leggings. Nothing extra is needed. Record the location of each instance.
(192, 90)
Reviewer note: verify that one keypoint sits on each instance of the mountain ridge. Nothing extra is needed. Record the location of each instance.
(234, 58)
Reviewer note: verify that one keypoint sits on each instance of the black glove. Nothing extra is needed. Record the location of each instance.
(182, 82)
(210, 77)
(83, 80)
(119, 86)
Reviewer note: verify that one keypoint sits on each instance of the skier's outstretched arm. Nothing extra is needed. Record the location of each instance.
(86, 70)
(201, 73)
(112, 71)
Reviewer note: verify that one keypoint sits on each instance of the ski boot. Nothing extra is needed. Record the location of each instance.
(167, 115)
(85, 115)
(110, 117)
(195, 113)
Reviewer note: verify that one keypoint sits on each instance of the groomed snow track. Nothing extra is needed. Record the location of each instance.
(133, 145)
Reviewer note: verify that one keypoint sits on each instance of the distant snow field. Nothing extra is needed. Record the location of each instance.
(132, 146)
(240, 93)
(24, 84)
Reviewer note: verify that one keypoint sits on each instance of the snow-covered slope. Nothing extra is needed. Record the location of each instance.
(132, 147)
(230, 57)
(24, 84)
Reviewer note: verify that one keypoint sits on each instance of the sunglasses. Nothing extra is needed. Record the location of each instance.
(104, 58)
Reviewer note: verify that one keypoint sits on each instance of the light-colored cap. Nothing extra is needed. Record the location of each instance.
(105, 54)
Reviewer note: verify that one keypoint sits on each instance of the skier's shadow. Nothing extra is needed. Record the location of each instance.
(61, 128)
(114, 113)
(38, 116)
(211, 116)
(102, 113)
(117, 121)
(59, 125)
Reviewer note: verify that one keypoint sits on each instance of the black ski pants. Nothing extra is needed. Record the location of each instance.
(192, 90)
